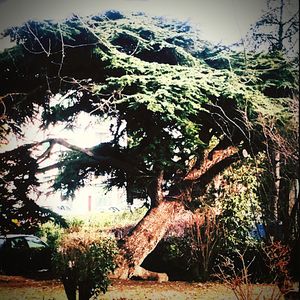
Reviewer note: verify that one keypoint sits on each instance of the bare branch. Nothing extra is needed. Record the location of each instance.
(50, 167)
(291, 19)
(48, 52)
(230, 120)
(62, 50)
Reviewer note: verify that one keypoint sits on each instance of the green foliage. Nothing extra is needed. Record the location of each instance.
(51, 234)
(173, 92)
(75, 224)
(239, 203)
(178, 247)
(176, 255)
(19, 212)
(84, 260)
(108, 220)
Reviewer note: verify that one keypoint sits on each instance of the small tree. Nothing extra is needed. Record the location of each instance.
(278, 27)
(83, 262)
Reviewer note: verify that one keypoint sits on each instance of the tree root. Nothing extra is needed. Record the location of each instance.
(140, 273)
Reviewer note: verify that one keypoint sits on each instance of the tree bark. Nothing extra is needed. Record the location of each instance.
(84, 290)
(277, 185)
(144, 238)
(155, 190)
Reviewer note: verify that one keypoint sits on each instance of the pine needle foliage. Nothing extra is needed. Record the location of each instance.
(174, 92)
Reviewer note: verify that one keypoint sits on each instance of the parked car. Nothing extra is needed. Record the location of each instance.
(21, 253)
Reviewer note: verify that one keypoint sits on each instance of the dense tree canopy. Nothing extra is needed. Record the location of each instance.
(185, 108)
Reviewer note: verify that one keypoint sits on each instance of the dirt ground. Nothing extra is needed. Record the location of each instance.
(19, 288)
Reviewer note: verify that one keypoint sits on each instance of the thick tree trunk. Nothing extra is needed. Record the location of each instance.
(144, 238)
(155, 191)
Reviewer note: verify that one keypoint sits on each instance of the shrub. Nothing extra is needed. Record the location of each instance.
(237, 278)
(196, 249)
(277, 257)
(83, 261)
(75, 224)
(51, 234)
(205, 233)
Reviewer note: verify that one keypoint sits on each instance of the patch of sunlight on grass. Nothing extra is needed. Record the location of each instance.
(32, 293)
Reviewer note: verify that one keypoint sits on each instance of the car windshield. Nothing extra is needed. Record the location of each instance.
(2, 242)
(18, 243)
(34, 242)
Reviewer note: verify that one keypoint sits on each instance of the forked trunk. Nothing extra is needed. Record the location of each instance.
(144, 238)
(152, 228)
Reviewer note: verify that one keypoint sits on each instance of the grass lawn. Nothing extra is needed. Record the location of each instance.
(17, 287)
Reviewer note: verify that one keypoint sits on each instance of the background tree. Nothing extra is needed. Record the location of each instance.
(19, 212)
(278, 31)
(278, 28)
(186, 109)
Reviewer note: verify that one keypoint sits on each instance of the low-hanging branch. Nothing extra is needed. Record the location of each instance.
(112, 161)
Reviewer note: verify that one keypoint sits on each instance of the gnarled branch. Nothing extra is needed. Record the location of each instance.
(216, 157)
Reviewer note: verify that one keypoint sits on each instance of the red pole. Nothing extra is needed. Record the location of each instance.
(89, 203)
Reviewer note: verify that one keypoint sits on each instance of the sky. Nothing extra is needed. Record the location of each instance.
(219, 20)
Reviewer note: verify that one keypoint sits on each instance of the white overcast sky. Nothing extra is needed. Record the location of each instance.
(220, 20)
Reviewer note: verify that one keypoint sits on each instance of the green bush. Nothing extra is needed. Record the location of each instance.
(199, 245)
(51, 234)
(83, 262)
(75, 224)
